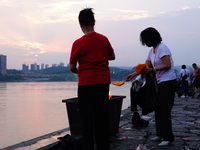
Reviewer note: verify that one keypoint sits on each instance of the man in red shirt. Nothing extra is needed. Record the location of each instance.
(92, 52)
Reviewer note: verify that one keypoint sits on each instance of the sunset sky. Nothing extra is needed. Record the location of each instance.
(42, 31)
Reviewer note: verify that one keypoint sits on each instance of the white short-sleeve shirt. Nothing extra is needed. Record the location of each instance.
(185, 71)
(140, 82)
(155, 58)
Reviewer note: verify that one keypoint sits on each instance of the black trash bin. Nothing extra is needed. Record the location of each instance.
(115, 106)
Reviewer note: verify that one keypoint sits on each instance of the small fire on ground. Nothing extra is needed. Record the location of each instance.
(110, 96)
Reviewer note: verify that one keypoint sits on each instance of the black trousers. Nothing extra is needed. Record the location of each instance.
(164, 104)
(93, 106)
(134, 104)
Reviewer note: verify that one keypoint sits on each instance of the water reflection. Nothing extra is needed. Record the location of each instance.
(3, 115)
(31, 109)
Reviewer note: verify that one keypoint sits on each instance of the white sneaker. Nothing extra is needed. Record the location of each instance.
(157, 138)
(165, 143)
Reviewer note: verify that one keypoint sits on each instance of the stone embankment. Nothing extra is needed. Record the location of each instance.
(186, 128)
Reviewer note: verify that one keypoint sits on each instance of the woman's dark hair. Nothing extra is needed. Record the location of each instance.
(183, 66)
(150, 37)
(86, 17)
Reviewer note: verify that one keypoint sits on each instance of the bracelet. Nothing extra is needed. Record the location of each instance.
(154, 69)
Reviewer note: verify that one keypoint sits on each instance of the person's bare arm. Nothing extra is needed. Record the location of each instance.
(112, 56)
(73, 68)
(166, 63)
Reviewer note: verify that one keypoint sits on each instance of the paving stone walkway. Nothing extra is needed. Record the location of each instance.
(186, 129)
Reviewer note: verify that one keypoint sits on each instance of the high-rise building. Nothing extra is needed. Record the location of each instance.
(42, 66)
(3, 64)
(54, 65)
(33, 67)
(25, 68)
(46, 66)
(38, 67)
(61, 65)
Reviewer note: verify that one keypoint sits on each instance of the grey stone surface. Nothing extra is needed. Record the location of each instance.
(186, 129)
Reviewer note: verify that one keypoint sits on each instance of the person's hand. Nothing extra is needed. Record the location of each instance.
(132, 84)
(129, 77)
(149, 70)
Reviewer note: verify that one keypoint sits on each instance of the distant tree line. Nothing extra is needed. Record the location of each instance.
(118, 74)
(64, 74)
(61, 74)
(10, 78)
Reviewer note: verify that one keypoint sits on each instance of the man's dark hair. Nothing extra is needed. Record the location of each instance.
(150, 37)
(86, 17)
(183, 66)
(194, 64)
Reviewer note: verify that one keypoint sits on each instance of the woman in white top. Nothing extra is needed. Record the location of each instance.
(160, 61)
(184, 77)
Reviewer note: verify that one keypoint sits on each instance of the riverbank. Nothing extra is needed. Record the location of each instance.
(186, 127)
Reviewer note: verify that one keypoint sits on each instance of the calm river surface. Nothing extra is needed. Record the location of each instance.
(32, 109)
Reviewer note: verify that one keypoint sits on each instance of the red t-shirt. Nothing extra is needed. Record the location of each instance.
(91, 52)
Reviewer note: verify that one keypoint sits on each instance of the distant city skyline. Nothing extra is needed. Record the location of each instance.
(35, 66)
(25, 67)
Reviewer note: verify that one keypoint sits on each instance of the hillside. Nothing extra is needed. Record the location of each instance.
(64, 74)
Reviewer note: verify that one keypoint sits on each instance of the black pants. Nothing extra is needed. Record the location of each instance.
(145, 98)
(93, 106)
(134, 104)
(166, 93)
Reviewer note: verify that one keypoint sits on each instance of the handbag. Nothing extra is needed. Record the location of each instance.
(185, 76)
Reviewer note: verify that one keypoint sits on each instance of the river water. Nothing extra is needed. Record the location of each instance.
(32, 109)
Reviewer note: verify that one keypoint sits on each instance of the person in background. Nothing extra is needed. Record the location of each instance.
(196, 75)
(137, 84)
(160, 61)
(184, 77)
(92, 52)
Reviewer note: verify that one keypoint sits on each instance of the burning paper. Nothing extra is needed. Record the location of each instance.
(141, 68)
(118, 83)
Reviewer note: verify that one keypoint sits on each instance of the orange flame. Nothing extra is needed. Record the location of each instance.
(110, 96)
